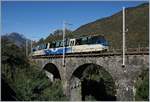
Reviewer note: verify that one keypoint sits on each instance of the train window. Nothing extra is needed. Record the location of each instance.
(67, 42)
(50, 45)
(53, 44)
(57, 43)
(93, 40)
(84, 40)
(89, 40)
(40, 47)
(44, 47)
(61, 44)
(78, 41)
(72, 42)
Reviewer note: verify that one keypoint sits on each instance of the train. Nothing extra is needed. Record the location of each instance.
(75, 45)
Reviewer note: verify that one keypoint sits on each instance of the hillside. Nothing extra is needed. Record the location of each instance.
(137, 19)
(16, 38)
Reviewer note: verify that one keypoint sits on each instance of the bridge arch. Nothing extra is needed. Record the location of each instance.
(52, 71)
(88, 82)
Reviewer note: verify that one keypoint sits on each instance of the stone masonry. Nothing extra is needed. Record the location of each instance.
(124, 77)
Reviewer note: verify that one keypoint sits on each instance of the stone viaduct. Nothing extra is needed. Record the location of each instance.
(124, 77)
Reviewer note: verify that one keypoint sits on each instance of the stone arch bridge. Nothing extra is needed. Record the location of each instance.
(124, 77)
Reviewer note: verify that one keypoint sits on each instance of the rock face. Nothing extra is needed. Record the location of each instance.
(124, 77)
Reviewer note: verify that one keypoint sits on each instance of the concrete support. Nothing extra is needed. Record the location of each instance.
(65, 87)
(75, 90)
(50, 76)
(76, 94)
(125, 90)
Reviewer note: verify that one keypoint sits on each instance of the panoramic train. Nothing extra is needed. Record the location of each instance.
(76, 45)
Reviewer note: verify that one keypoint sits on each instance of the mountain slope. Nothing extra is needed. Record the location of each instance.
(137, 23)
(17, 39)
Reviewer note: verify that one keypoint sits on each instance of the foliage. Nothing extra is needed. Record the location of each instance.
(142, 86)
(12, 56)
(54, 92)
(28, 82)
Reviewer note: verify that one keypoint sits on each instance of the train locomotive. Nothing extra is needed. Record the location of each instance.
(76, 45)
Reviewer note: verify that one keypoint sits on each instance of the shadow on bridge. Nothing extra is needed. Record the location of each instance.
(92, 82)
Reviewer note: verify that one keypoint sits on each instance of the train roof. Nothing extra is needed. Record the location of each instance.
(100, 36)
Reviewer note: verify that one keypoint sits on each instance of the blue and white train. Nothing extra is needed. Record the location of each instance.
(76, 45)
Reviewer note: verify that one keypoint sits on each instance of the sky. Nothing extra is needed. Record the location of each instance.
(37, 19)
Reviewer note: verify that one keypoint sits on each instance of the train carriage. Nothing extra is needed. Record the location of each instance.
(76, 45)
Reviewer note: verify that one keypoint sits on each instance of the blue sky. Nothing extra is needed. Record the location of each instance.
(37, 19)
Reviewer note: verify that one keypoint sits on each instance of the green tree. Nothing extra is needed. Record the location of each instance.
(12, 55)
(142, 86)
(24, 76)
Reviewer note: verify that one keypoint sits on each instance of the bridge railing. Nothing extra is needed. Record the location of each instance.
(137, 50)
(112, 51)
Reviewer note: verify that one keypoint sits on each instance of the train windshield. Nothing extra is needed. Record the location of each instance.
(92, 40)
(99, 40)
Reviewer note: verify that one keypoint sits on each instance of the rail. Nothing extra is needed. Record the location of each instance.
(110, 52)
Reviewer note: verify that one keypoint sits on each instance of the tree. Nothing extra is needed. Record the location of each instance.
(12, 55)
(24, 77)
(142, 86)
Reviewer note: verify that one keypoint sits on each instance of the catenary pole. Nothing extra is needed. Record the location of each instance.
(64, 28)
(31, 47)
(26, 47)
(123, 44)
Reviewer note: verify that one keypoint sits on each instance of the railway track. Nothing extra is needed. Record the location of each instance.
(117, 52)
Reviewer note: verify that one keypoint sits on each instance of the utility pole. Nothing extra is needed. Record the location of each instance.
(26, 47)
(65, 83)
(64, 31)
(31, 46)
(123, 44)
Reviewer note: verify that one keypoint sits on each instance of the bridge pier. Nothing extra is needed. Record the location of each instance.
(50, 76)
(124, 90)
(75, 89)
